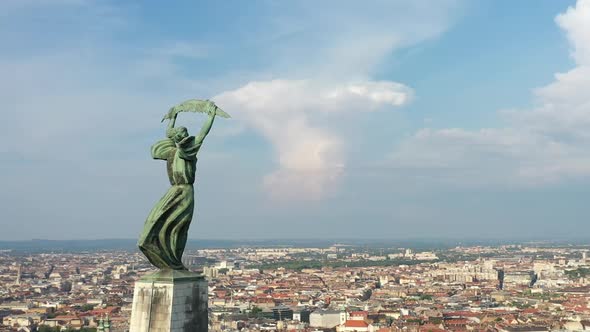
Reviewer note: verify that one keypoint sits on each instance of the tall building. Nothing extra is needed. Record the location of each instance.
(18, 275)
(327, 318)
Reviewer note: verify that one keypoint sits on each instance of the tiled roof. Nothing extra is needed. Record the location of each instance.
(356, 323)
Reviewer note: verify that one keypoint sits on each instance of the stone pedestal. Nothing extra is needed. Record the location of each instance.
(170, 301)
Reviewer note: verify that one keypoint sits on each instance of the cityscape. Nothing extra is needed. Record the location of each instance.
(294, 166)
(340, 287)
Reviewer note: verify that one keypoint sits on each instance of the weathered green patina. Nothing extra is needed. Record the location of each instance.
(166, 229)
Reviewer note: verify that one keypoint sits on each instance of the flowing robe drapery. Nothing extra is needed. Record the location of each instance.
(166, 229)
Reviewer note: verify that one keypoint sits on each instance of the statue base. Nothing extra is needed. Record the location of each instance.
(170, 301)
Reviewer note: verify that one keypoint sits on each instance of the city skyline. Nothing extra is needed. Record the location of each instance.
(383, 120)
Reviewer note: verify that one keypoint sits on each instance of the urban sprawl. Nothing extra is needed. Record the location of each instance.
(340, 288)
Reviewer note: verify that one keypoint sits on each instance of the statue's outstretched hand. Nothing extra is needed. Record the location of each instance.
(211, 109)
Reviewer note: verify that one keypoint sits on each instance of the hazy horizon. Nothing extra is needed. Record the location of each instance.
(349, 240)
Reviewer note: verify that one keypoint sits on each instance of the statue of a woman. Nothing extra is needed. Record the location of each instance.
(165, 232)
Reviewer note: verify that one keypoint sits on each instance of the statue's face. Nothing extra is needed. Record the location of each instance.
(180, 134)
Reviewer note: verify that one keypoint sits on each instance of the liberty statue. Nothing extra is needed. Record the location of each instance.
(165, 232)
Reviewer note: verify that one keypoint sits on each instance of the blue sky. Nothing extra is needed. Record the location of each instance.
(374, 119)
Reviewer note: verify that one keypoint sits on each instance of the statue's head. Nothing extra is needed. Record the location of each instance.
(179, 134)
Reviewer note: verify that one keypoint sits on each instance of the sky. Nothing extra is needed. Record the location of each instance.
(361, 120)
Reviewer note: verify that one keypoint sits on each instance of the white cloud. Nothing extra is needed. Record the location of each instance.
(376, 93)
(310, 157)
(547, 144)
(576, 24)
(490, 157)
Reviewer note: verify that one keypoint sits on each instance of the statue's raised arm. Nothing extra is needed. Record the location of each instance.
(211, 111)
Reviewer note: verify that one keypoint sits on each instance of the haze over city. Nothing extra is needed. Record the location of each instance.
(358, 120)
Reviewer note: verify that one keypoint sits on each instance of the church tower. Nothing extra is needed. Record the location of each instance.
(107, 324)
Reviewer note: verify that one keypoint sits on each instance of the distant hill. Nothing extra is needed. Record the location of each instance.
(131, 244)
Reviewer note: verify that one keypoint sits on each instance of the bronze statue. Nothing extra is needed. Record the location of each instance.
(165, 232)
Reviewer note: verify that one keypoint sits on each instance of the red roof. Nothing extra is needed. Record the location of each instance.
(356, 323)
(430, 328)
(459, 321)
(461, 314)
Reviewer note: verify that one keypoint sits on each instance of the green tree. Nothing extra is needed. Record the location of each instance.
(255, 312)
(87, 307)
